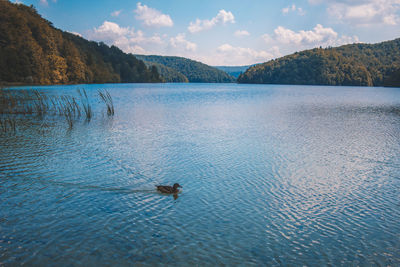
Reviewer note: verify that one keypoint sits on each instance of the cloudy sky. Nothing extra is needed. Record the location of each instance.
(225, 32)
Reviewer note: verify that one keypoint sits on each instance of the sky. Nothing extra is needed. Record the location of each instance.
(224, 32)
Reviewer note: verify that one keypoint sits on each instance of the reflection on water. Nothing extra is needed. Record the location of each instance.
(272, 175)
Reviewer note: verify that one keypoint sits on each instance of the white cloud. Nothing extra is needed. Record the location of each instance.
(134, 41)
(391, 19)
(136, 49)
(180, 42)
(152, 17)
(289, 8)
(319, 36)
(223, 17)
(42, 2)
(233, 55)
(267, 38)
(116, 13)
(110, 30)
(285, 10)
(76, 33)
(140, 38)
(315, 2)
(290, 41)
(293, 8)
(126, 38)
(241, 33)
(301, 11)
(363, 12)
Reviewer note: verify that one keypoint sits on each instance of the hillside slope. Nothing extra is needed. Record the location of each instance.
(33, 51)
(355, 65)
(168, 74)
(194, 71)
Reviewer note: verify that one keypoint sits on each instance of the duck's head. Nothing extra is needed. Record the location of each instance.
(176, 186)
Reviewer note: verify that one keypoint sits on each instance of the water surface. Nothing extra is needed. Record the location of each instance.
(271, 175)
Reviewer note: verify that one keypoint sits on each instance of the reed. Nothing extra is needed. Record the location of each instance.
(107, 99)
(85, 104)
(8, 125)
(36, 103)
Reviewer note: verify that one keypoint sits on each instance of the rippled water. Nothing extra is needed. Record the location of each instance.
(271, 175)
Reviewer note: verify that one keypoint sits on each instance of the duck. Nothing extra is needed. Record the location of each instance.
(169, 189)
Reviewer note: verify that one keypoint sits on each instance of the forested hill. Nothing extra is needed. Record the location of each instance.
(194, 71)
(33, 51)
(355, 64)
(168, 74)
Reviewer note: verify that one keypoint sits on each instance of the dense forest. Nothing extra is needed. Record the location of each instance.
(194, 71)
(168, 75)
(393, 79)
(354, 65)
(32, 51)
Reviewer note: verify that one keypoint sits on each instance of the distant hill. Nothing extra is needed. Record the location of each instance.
(168, 75)
(194, 71)
(354, 65)
(32, 51)
(234, 71)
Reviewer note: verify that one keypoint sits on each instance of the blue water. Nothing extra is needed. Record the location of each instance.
(271, 175)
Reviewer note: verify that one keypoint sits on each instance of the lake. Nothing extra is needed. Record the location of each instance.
(271, 175)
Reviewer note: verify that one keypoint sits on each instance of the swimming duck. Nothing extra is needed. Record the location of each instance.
(168, 189)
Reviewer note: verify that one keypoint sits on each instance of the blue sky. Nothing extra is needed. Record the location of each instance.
(225, 32)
